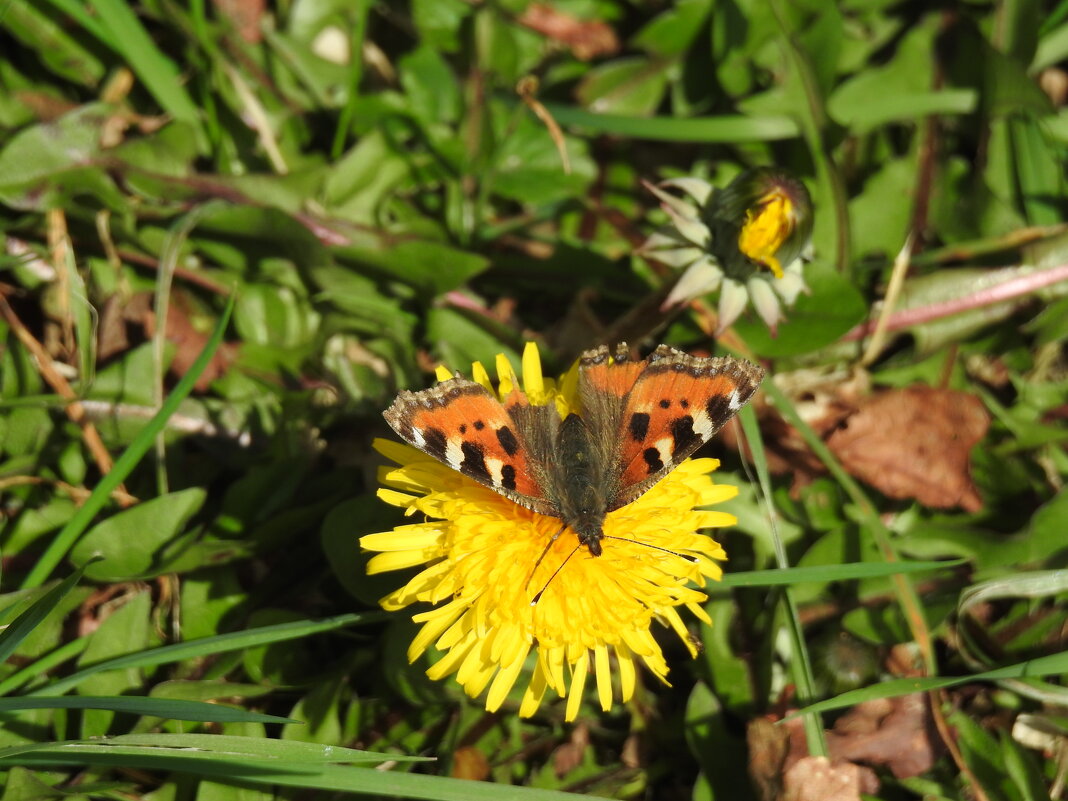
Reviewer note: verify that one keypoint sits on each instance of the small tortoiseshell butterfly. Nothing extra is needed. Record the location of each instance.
(639, 420)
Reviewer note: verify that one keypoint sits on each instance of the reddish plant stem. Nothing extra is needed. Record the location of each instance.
(1007, 290)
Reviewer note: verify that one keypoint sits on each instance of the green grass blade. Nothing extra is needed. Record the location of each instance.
(220, 747)
(729, 128)
(823, 573)
(171, 708)
(1053, 664)
(128, 37)
(22, 626)
(801, 664)
(206, 646)
(340, 778)
(77, 12)
(40, 667)
(124, 465)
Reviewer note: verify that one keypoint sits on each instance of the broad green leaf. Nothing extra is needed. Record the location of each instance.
(430, 267)
(632, 86)
(130, 540)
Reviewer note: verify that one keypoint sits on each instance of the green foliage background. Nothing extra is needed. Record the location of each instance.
(324, 204)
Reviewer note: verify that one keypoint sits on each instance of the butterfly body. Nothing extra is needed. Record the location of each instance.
(638, 421)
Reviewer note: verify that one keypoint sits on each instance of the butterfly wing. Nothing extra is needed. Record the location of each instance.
(665, 408)
(464, 425)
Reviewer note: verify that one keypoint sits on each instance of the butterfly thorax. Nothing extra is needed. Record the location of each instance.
(581, 494)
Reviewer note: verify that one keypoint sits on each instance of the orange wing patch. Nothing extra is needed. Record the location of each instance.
(462, 424)
(615, 379)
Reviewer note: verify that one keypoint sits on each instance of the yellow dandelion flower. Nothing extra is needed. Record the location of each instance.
(766, 228)
(480, 554)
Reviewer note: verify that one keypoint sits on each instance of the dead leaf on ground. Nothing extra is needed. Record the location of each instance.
(895, 732)
(587, 39)
(470, 763)
(915, 443)
(189, 340)
(569, 755)
(768, 746)
(820, 779)
(245, 15)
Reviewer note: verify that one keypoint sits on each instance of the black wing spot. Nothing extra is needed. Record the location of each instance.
(508, 477)
(507, 440)
(479, 425)
(718, 410)
(685, 404)
(685, 437)
(434, 443)
(652, 458)
(463, 428)
(639, 426)
(474, 463)
(665, 403)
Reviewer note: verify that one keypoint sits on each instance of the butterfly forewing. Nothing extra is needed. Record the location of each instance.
(675, 405)
(462, 424)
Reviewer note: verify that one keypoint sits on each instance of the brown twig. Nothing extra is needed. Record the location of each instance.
(79, 494)
(55, 379)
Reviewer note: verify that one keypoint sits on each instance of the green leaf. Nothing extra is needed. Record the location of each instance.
(430, 267)
(630, 86)
(130, 541)
(832, 307)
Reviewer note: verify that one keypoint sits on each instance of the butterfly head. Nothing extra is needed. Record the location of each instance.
(589, 526)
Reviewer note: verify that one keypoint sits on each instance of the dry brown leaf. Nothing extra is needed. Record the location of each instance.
(768, 745)
(189, 340)
(586, 39)
(470, 763)
(819, 779)
(895, 732)
(569, 756)
(914, 443)
(245, 15)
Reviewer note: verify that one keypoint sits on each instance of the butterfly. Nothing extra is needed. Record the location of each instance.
(639, 420)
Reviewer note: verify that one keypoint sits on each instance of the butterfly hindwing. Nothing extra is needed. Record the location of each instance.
(462, 424)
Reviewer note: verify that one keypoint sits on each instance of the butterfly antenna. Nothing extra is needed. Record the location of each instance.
(544, 552)
(688, 557)
(541, 592)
